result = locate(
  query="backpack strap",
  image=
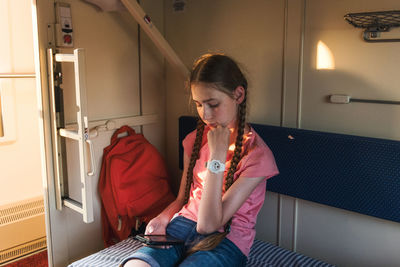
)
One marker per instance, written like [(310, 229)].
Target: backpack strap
[(123, 129)]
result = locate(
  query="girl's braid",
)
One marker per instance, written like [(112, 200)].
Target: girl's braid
[(238, 145), (193, 158), (237, 152)]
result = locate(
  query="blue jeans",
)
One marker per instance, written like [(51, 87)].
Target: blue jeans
[(225, 254)]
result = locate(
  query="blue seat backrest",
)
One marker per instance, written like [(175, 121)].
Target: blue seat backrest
[(355, 173)]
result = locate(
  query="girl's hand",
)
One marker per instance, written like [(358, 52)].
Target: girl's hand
[(218, 142), (157, 226)]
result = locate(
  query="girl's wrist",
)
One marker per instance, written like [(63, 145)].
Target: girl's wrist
[(165, 217), (171, 210), (221, 156)]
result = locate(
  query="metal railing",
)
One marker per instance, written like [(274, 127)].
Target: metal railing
[(17, 75)]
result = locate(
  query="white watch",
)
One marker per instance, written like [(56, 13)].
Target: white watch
[(215, 166)]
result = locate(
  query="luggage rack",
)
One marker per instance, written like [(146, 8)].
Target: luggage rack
[(374, 23)]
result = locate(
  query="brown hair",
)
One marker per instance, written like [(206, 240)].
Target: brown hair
[(222, 72)]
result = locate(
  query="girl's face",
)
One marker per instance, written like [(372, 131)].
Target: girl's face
[(215, 107)]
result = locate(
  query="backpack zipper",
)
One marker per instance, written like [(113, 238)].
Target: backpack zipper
[(137, 224), (119, 223)]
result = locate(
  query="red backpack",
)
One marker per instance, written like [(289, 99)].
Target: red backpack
[(133, 185)]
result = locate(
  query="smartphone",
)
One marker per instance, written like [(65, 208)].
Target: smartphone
[(158, 240)]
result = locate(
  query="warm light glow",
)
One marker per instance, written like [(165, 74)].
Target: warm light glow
[(202, 175), (197, 193), (325, 59), (232, 147)]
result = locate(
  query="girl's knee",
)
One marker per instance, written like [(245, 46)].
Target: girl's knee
[(136, 263)]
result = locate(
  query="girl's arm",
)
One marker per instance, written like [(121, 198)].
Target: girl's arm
[(159, 223), (215, 210)]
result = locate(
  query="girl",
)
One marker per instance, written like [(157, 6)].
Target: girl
[(226, 165)]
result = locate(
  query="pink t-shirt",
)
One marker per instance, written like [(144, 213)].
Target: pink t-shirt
[(257, 161)]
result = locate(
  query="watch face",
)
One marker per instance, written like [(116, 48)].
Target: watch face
[(215, 165)]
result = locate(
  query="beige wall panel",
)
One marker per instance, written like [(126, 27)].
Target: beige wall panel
[(267, 221), (6, 43), (292, 62), (177, 104), (153, 82), (16, 46), (20, 174), (250, 32), (112, 72), (345, 238), (362, 70)]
